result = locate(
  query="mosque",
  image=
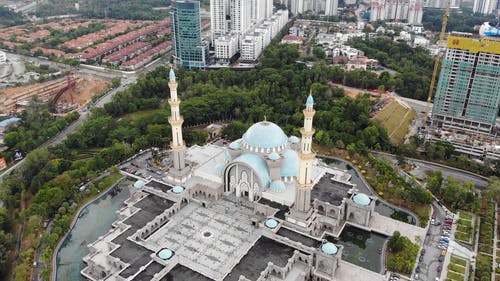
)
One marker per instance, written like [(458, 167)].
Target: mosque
[(256, 209)]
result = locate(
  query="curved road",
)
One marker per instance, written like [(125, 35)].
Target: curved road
[(422, 167)]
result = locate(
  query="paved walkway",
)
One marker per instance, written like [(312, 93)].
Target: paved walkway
[(385, 225)]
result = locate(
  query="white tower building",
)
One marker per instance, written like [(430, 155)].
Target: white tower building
[(240, 11), (484, 6), (180, 170), (331, 7), (306, 157), (219, 9)]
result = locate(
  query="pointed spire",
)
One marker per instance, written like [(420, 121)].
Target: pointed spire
[(310, 100), (171, 74)]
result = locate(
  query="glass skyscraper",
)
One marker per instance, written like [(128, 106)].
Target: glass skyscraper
[(468, 91), (189, 48)]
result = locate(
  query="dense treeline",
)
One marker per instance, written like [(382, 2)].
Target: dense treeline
[(10, 18), (453, 194), (413, 64), (463, 21), (278, 93), (118, 9)]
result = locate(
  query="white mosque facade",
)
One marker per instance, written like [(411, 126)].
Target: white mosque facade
[(217, 204)]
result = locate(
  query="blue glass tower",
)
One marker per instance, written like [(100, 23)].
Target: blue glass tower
[(189, 48)]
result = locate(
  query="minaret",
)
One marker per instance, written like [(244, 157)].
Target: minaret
[(306, 157), (176, 120)]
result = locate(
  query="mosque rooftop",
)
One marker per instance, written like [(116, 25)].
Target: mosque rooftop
[(265, 134)]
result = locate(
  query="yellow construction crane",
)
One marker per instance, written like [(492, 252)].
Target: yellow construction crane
[(437, 61)]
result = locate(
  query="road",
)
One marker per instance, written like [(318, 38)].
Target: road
[(84, 115), (423, 167), (430, 260)]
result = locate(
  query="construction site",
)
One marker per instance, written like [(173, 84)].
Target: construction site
[(66, 94)]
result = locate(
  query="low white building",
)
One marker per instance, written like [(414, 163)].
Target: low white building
[(3, 57), (226, 47), (420, 41), (251, 47), (260, 36)]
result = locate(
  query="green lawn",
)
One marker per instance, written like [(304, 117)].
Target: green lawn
[(464, 229), (462, 236), (141, 114), (455, 276), (108, 181), (465, 215), (395, 120), (456, 268), (459, 261)]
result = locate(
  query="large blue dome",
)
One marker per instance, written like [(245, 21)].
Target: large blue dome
[(265, 135), (290, 165)]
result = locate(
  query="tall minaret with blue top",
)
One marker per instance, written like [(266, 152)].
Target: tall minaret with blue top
[(177, 145), (306, 158)]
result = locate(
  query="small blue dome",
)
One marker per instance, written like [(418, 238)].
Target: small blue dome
[(219, 169), (278, 186), (294, 139), (361, 199), (271, 223), (290, 165), (265, 135), (177, 189), (258, 164), (329, 248), (273, 156), (171, 74), (234, 145), (165, 254), (138, 184), (310, 100)]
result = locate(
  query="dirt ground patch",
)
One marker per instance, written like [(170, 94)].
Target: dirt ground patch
[(87, 86)]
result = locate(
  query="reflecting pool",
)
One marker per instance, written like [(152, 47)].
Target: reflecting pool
[(362, 248), (94, 221)]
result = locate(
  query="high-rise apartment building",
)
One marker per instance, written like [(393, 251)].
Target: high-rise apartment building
[(468, 92), (486, 6), (189, 48), (240, 16), (397, 10), (219, 12), (327, 7)]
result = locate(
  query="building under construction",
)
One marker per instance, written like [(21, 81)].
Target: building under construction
[(467, 97)]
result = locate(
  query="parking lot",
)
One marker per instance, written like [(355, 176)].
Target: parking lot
[(430, 263), (142, 167)]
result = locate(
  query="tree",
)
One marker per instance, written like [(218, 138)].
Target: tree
[(396, 242), (115, 82), (234, 130), (196, 137), (493, 190)]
